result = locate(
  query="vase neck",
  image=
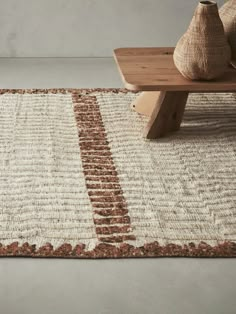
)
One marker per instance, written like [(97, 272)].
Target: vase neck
[(207, 7), (205, 17)]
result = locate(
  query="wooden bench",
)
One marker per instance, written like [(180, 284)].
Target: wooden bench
[(164, 90)]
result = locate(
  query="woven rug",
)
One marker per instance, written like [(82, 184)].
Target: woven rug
[(77, 178)]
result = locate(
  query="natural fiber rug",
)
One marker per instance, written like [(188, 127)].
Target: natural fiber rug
[(77, 178)]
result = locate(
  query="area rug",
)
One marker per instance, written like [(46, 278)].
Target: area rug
[(79, 180)]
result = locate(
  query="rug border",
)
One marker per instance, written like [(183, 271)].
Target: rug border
[(86, 91), (124, 250)]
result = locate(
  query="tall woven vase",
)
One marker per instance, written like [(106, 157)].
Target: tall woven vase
[(228, 17), (203, 52)]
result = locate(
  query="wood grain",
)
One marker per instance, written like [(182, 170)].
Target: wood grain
[(153, 69), (167, 114)]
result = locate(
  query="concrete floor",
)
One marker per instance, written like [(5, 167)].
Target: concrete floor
[(165, 286)]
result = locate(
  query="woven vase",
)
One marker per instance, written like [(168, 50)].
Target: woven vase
[(228, 17), (203, 52)]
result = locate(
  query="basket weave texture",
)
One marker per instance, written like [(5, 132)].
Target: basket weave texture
[(203, 52), (228, 17)]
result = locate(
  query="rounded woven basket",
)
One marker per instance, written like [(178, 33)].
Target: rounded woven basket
[(228, 17), (203, 52)]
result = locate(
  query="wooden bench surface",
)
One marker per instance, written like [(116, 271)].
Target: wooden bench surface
[(152, 69)]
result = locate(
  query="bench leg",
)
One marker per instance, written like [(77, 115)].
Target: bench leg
[(166, 110), (145, 103)]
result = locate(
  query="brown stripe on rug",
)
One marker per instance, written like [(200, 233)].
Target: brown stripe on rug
[(101, 176)]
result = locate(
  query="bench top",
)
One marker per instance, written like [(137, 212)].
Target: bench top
[(151, 69)]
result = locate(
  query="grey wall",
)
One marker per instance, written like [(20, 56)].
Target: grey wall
[(77, 28)]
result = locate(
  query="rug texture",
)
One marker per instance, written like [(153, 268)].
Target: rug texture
[(78, 179)]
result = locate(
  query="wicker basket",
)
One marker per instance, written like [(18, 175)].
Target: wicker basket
[(203, 52), (228, 17)]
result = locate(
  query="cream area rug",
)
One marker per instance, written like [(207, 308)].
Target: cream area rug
[(78, 179)]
